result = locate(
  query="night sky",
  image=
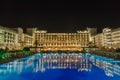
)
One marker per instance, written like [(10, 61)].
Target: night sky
[(60, 16)]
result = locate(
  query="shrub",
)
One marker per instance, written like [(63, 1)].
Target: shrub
[(118, 50), (26, 49), (2, 54), (6, 49)]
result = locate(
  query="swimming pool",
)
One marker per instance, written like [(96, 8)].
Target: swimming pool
[(62, 66)]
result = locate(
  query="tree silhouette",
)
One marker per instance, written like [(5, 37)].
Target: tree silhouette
[(36, 45)]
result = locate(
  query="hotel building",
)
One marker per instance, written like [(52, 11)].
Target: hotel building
[(25, 40), (14, 38), (17, 39), (116, 37), (93, 31), (98, 40), (8, 38), (61, 41), (28, 40), (107, 38)]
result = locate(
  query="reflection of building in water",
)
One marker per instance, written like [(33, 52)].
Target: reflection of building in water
[(63, 61), (108, 65), (42, 62), (16, 66), (49, 61), (10, 67)]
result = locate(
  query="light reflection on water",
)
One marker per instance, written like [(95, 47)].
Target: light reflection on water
[(43, 62)]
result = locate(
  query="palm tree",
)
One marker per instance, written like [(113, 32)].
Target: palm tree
[(36, 45), (90, 44)]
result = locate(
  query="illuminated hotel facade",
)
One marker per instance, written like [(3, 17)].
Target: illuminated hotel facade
[(109, 38), (98, 40), (61, 41), (8, 38), (116, 38), (14, 38), (17, 39)]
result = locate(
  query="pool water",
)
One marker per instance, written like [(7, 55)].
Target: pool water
[(62, 66)]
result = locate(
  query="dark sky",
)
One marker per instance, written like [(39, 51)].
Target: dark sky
[(60, 16)]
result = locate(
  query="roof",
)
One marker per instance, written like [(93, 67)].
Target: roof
[(6, 28)]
